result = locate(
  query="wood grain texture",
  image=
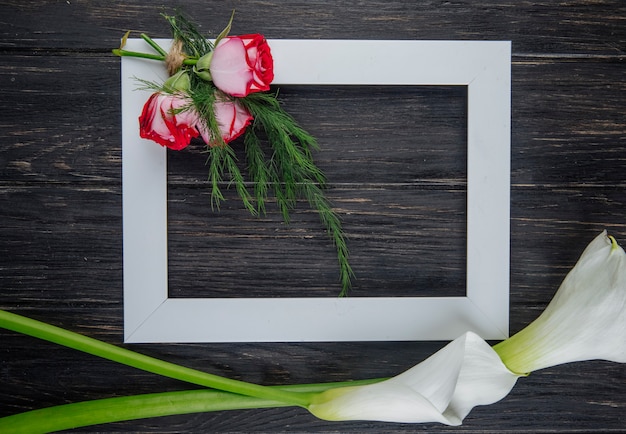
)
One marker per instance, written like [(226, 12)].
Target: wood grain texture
[(395, 160)]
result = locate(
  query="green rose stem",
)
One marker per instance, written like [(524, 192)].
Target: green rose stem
[(98, 348), (160, 57), (121, 52), (153, 44)]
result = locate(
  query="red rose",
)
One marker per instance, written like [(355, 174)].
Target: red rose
[(168, 120), (232, 119), (241, 65)]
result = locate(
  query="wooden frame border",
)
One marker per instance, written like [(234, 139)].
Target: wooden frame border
[(482, 66)]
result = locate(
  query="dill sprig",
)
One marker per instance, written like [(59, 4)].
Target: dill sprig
[(222, 161), (288, 171), (195, 44)]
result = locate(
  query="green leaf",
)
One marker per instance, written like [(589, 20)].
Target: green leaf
[(124, 40), (226, 30)]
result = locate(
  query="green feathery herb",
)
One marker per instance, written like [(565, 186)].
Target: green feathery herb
[(258, 171), (288, 171), (291, 170), (194, 43)]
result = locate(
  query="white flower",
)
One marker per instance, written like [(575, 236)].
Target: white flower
[(443, 388), (585, 320)]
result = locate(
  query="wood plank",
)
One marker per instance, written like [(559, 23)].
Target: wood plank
[(568, 126), (582, 396), (61, 243), (568, 122), (403, 242), (395, 160), (583, 28), (61, 120)]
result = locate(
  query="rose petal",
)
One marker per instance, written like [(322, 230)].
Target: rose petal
[(241, 65), (229, 67)]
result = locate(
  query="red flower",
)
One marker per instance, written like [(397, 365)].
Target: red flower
[(241, 65), (232, 119), (168, 120)]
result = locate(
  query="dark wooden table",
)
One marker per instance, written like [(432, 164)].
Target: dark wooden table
[(395, 159)]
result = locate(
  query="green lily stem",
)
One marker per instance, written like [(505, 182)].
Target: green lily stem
[(98, 348), (81, 414)]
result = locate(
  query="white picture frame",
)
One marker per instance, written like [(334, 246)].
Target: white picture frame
[(482, 66)]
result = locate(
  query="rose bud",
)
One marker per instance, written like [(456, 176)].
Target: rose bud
[(169, 120), (232, 119), (179, 82)]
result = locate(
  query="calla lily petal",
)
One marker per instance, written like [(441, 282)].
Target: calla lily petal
[(443, 388), (585, 320)]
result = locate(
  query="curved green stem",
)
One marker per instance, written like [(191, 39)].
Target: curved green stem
[(120, 52), (81, 414), (109, 410), (98, 348), (153, 44)]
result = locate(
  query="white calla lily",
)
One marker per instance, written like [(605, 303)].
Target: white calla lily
[(585, 320), (443, 388)]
